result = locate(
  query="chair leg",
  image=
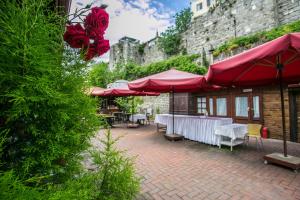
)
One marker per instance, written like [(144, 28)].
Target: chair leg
[(262, 144), (248, 140), (256, 143)]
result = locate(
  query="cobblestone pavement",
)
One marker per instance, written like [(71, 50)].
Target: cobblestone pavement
[(192, 170)]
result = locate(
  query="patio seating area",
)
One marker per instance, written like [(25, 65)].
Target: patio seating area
[(192, 170)]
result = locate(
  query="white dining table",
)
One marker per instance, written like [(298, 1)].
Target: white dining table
[(235, 132), (197, 128), (137, 117)]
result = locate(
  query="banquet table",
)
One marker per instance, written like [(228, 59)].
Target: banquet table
[(197, 128), (137, 117), (235, 132)]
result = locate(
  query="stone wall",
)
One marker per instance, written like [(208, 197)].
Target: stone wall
[(225, 22), (160, 102), (134, 51), (152, 52), (288, 10), (123, 52)]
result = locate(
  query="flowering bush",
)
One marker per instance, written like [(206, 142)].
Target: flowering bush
[(89, 39)]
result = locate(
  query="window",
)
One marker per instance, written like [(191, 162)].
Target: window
[(199, 6), (208, 2), (211, 106), (241, 106), (256, 111), (201, 105), (221, 106)]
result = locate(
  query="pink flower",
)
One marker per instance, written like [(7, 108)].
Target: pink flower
[(76, 37), (96, 22)]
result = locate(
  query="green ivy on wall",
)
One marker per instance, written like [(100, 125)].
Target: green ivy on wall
[(132, 71), (264, 36)]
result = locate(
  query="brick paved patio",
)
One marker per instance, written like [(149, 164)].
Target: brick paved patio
[(191, 170)]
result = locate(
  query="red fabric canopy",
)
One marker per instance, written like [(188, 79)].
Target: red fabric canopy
[(122, 92), (171, 80), (257, 66), (95, 90)]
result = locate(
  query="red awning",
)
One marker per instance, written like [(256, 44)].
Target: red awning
[(122, 92), (257, 66), (95, 90), (171, 80)]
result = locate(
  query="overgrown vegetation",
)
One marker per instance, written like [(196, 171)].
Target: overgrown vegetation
[(141, 48), (132, 71), (46, 120), (260, 37), (98, 75), (129, 105), (170, 40), (114, 179)]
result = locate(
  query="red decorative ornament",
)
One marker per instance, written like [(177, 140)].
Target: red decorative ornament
[(91, 38), (76, 37)]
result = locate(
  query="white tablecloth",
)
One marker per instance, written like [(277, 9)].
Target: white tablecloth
[(232, 131), (197, 128), (137, 117)]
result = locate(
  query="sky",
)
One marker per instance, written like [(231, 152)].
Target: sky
[(140, 19)]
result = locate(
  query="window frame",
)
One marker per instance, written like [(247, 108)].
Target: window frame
[(227, 107), (234, 106), (199, 5), (202, 97), (208, 3)]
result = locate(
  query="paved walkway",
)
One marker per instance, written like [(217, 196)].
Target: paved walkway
[(191, 170)]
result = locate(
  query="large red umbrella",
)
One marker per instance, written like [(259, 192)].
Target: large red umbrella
[(122, 91), (171, 81), (277, 61)]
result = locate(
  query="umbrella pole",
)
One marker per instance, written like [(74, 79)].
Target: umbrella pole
[(132, 107), (282, 111), (173, 106)]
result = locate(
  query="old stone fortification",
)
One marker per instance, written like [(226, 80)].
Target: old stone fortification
[(237, 18), (233, 18)]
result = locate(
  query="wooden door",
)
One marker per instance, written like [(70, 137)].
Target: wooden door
[(247, 108), (294, 98)]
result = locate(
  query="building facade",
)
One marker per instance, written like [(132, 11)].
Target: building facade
[(200, 7), (259, 105)]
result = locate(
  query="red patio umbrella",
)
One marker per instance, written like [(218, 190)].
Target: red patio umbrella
[(95, 90), (171, 81), (277, 61), (122, 91)]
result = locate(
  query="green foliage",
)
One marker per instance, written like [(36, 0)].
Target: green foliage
[(170, 40), (11, 188), (183, 20), (141, 48), (99, 75), (265, 36), (132, 71), (119, 181), (114, 179), (181, 62), (123, 104), (46, 117), (129, 105)]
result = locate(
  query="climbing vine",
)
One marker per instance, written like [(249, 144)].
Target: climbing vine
[(260, 37)]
